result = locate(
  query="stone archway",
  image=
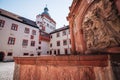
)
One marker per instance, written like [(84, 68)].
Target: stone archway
[(2, 56)]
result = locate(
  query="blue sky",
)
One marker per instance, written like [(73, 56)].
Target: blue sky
[(58, 9)]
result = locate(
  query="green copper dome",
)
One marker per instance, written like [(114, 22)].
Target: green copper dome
[(46, 11)]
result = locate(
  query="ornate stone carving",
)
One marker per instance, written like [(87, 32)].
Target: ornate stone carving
[(101, 25)]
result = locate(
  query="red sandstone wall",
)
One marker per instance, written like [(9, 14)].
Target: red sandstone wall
[(118, 5), (94, 67)]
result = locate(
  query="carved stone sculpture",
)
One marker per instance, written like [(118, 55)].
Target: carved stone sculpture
[(101, 25)]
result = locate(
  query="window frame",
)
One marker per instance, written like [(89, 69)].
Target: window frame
[(32, 43), (64, 32), (14, 27), (27, 30), (23, 43), (25, 54), (65, 51), (9, 54), (64, 43), (33, 32), (11, 40), (50, 44), (58, 51), (58, 34), (58, 43)]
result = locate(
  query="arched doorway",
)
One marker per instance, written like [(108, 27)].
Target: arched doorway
[(1, 56)]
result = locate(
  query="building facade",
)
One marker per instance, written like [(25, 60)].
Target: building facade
[(23, 37), (60, 42), (18, 36)]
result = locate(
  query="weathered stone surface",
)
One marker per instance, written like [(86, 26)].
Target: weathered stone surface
[(94, 25), (84, 67), (16, 72), (101, 25)]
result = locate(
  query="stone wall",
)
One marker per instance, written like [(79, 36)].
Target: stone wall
[(87, 67)]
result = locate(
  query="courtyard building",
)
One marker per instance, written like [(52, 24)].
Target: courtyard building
[(60, 42), (21, 37), (18, 36)]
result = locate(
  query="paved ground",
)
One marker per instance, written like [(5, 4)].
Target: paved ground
[(6, 70)]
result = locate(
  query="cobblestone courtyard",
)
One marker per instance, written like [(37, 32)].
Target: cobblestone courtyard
[(6, 70)]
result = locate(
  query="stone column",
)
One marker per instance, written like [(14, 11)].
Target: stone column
[(72, 38)]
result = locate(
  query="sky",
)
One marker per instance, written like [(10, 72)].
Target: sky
[(58, 9)]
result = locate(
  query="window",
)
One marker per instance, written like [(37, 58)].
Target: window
[(55, 52), (11, 41), (50, 52), (31, 54), (25, 54), (47, 52), (2, 22), (47, 25), (50, 36), (58, 51), (9, 54), (58, 43), (64, 32), (64, 42), (51, 45), (66, 51), (43, 28), (38, 53), (25, 42), (39, 47), (58, 34), (27, 30), (39, 42), (32, 43), (14, 27), (32, 37), (33, 32)]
